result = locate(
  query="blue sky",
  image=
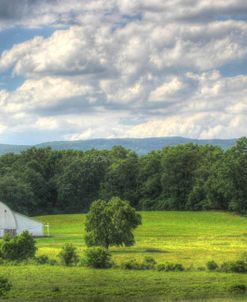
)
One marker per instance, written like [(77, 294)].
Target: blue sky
[(73, 69)]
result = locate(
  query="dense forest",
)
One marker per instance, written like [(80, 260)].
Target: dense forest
[(183, 177)]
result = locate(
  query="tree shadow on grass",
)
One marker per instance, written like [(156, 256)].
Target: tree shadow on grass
[(136, 251)]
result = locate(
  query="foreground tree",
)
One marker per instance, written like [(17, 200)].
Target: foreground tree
[(111, 223)]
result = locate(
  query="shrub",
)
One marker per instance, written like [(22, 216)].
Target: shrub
[(238, 266), (225, 267), (131, 264), (177, 267), (5, 286), (52, 261), (149, 262), (238, 289), (68, 255), (170, 267), (161, 267), (212, 266), (98, 257), (20, 247), (43, 259)]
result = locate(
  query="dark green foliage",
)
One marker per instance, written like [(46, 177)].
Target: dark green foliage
[(98, 257), (111, 223), (148, 263), (17, 193), (121, 176), (238, 266), (178, 168), (80, 181), (170, 267), (181, 177), (132, 264), (20, 247), (43, 259), (238, 289), (68, 255), (212, 266), (5, 286)]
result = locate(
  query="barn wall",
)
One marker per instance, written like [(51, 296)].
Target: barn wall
[(26, 224), (7, 219)]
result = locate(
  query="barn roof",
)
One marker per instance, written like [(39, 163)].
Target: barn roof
[(17, 213)]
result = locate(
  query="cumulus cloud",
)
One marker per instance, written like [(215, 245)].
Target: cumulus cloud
[(156, 65)]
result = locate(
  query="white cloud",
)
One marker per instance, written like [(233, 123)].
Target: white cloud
[(166, 90), (157, 62), (197, 125)]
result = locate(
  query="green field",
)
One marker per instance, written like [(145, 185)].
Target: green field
[(190, 238)]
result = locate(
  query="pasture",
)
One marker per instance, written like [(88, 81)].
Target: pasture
[(190, 238)]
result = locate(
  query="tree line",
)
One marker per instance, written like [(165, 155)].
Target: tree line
[(182, 177)]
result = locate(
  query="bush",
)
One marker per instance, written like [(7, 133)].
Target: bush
[(52, 261), (132, 264), (43, 259), (98, 257), (170, 267), (238, 266), (161, 267), (238, 289), (148, 263), (20, 247), (5, 286), (212, 266), (68, 255)]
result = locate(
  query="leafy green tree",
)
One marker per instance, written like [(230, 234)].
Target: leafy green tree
[(17, 194), (79, 183), (229, 182), (111, 223), (199, 197), (121, 176), (178, 166), (182, 177), (149, 180)]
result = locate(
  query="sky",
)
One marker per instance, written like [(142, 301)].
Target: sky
[(83, 69)]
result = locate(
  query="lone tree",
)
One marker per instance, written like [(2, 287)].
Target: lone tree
[(111, 223)]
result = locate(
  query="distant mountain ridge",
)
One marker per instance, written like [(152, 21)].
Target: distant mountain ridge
[(139, 145)]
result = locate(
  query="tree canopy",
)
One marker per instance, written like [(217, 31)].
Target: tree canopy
[(111, 223), (182, 177)]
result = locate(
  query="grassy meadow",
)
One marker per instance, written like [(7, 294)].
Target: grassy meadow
[(190, 238)]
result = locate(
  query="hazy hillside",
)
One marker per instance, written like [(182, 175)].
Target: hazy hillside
[(4, 148), (139, 145)]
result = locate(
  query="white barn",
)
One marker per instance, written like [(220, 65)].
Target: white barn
[(15, 223)]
